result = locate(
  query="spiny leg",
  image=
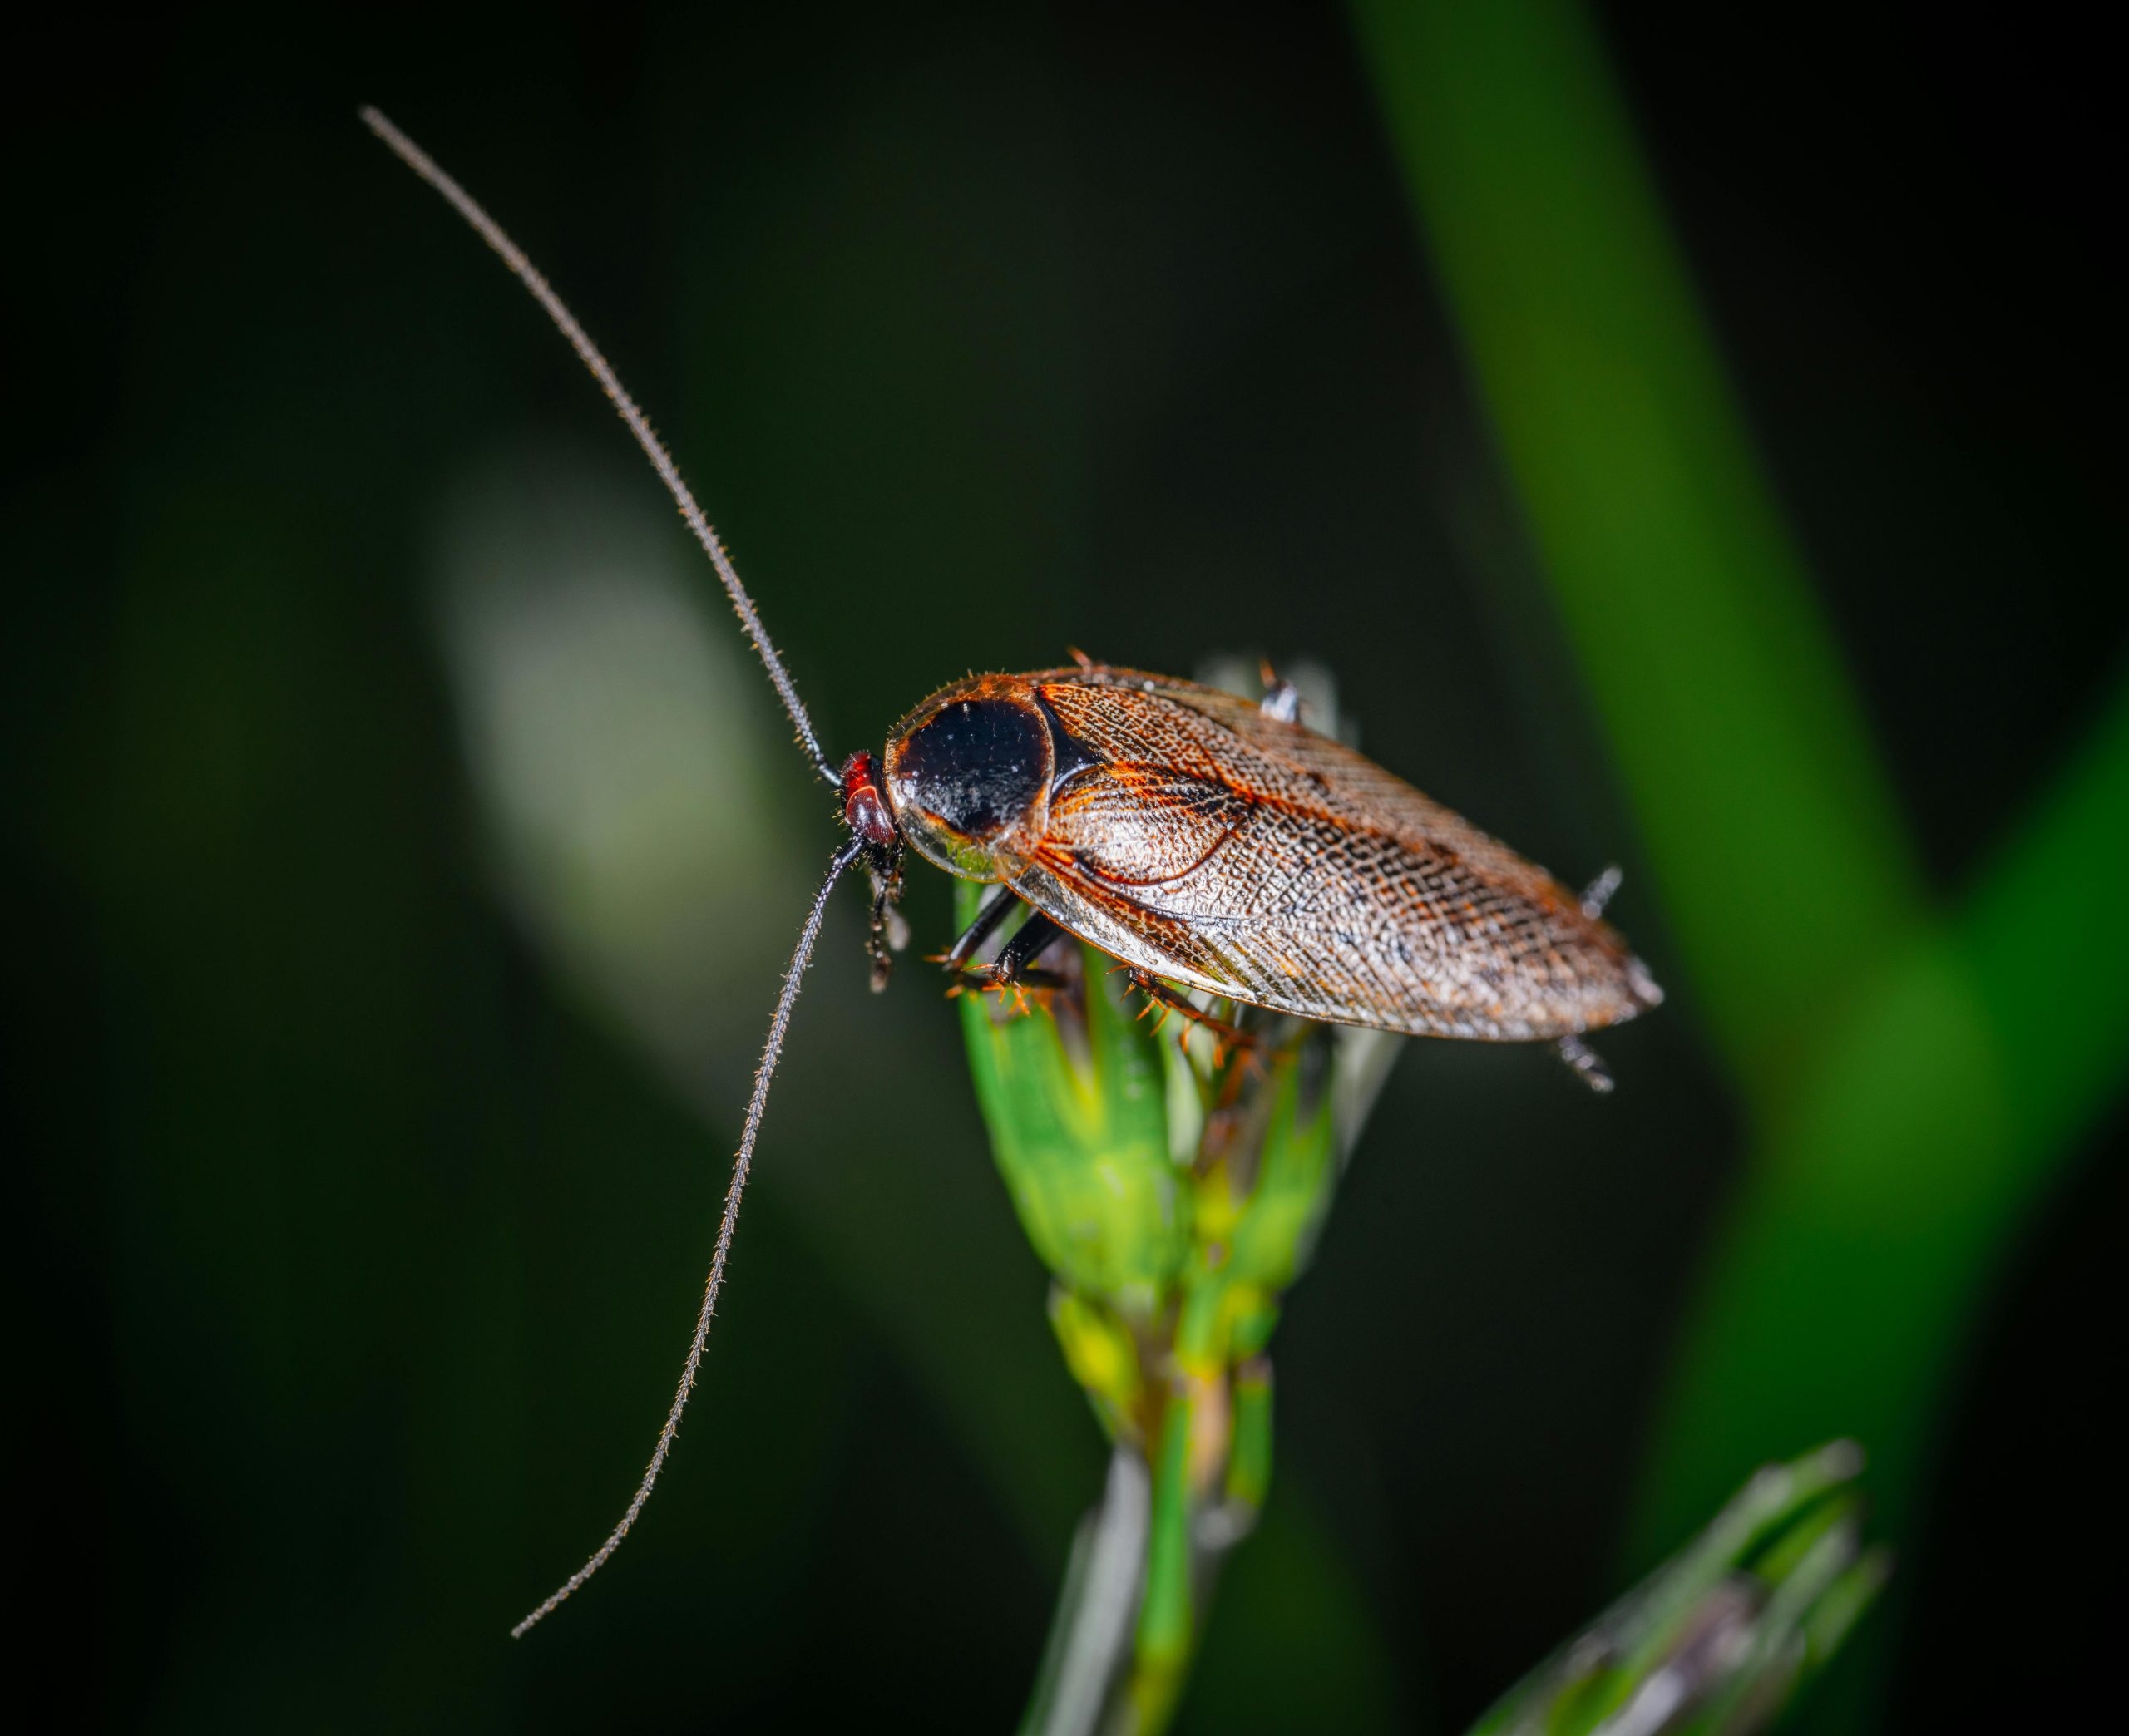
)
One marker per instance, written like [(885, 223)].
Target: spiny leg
[(1157, 993), (1587, 1064), (1013, 971), (1029, 941), (1013, 968), (1001, 906), (889, 933), (1599, 892)]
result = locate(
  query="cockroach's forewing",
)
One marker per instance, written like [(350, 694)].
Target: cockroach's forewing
[(1207, 842)]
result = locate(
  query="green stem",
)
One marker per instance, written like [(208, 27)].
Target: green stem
[(1166, 1622), (1090, 1637)]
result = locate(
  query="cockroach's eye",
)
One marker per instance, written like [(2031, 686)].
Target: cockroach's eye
[(977, 765)]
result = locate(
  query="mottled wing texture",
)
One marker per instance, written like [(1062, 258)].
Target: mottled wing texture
[(1215, 846)]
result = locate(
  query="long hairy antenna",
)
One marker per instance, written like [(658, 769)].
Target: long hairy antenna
[(801, 955), (491, 232)]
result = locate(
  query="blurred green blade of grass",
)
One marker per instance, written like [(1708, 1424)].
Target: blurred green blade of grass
[(1764, 813), (2046, 935), (1915, 1083), (1947, 1096)]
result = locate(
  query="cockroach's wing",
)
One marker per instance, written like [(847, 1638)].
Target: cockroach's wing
[(1211, 844)]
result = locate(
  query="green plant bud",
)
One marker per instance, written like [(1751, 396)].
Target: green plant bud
[(1076, 1105), (1174, 1181)]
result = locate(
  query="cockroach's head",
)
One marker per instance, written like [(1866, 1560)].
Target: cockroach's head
[(865, 809), (968, 776), (871, 823)]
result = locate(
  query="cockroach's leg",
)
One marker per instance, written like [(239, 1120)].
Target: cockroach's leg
[(1030, 940), (1588, 1066), (889, 929), (1001, 905), (1012, 971), (1158, 1008), (1281, 698), (1225, 1036), (1599, 892), (875, 940)]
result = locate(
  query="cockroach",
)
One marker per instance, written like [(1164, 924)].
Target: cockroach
[(1200, 839)]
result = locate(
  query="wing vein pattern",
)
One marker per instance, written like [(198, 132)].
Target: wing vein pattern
[(1214, 845)]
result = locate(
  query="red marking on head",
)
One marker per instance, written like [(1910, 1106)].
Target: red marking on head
[(865, 809)]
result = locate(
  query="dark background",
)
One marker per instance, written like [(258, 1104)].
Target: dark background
[(366, 1209)]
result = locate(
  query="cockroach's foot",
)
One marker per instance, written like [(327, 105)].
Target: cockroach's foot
[(1587, 1065), (1031, 991), (1281, 698)]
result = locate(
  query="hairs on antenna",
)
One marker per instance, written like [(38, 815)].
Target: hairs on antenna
[(529, 274), (639, 425), (801, 955)]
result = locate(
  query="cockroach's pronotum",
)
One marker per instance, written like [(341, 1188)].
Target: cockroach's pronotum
[(1200, 839)]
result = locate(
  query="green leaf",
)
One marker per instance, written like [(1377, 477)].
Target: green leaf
[(1721, 1638)]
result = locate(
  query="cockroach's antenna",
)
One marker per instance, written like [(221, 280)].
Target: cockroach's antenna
[(491, 232), (639, 425), (801, 955)]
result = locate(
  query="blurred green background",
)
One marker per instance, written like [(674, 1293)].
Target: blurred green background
[(408, 848)]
